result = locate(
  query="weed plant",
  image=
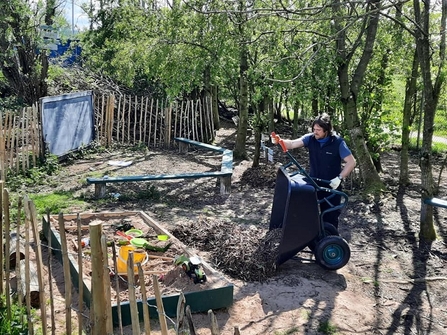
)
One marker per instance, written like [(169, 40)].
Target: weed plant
[(37, 175)]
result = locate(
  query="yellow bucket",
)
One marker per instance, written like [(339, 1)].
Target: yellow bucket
[(139, 256)]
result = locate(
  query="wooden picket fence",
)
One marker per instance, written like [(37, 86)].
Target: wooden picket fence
[(26, 280), (134, 120), (20, 140), (123, 120)]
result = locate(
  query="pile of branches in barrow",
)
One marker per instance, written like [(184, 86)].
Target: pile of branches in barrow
[(243, 252)]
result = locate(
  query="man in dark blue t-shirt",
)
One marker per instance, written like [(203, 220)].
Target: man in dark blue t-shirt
[(327, 151)]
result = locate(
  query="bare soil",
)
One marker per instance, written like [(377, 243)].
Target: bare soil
[(393, 284)]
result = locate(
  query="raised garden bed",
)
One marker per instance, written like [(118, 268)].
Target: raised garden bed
[(214, 293)]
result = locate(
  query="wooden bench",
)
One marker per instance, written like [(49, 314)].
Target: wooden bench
[(436, 202), (224, 175)]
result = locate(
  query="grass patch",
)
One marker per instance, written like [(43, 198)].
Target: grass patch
[(325, 327), (56, 202)]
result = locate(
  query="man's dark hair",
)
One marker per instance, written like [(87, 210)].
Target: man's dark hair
[(324, 121)]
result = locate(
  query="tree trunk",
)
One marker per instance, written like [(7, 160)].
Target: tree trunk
[(239, 149), (427, 231), (350, 88), (369, 174), (410, 98), (432, 92), (215, 106)]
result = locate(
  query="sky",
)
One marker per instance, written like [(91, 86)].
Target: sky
[(78, 21)]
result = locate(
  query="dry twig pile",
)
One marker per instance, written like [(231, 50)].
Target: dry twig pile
[(244, 252)]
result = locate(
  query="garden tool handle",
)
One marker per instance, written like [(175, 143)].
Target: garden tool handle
[(280, 141)]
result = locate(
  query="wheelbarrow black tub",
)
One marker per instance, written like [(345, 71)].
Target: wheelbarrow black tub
[(295, 210)]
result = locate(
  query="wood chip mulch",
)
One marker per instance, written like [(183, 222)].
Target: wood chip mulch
[(243, 252)]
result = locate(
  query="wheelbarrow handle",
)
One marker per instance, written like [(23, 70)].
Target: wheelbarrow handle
[(280, 141)]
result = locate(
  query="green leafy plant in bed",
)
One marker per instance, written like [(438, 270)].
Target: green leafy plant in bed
[(15, 323)]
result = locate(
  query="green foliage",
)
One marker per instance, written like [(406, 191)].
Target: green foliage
[(139, 147), (325, 327), (17, 324), (36, 175), (441, 121), (55, 202), (259, 121)]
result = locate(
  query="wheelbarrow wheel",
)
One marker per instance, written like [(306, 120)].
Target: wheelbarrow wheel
[(332, 252), (329, 230)]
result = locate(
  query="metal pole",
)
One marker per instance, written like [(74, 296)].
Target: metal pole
[(72, 17)]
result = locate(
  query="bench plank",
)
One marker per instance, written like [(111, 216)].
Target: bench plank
[(227, 161), (436, 202), (224, 175), (200, 144), (123, 179)]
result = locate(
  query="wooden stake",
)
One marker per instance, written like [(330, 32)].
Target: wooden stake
[(99, 317), (214, 327), (80, 275), (135, 121), (140, 135), (118, 120), (151, 113), (132, 296), (146, 318), (180, 313), (18, 255), (27, 271), (155, 123), (37, 242), (7, 252), (67, 275), (160, 307), (189, 319), (117, 284), (50, 280), (107, 289)]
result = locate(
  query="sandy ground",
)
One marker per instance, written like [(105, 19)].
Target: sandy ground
[(393, 283)]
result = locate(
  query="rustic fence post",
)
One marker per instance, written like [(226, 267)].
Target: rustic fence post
[(26, 270), (37, 242), (117, 284), (98, 298), (50, 283), (146, 318), (160, 307), (67, 276), (7, 247), (132, 298), (180, 313), (214, 327)]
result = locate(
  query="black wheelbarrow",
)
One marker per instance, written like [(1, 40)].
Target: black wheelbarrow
[(296, 211)]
